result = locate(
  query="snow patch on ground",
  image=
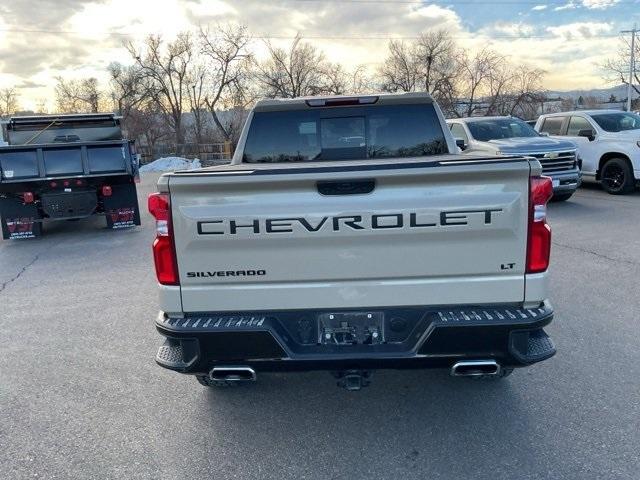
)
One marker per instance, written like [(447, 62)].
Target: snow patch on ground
[(170, 164)]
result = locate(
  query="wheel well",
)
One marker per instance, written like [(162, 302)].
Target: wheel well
[(608, 156)]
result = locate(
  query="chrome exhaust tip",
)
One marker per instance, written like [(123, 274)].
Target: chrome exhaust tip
[(475, 368), (233, 374)]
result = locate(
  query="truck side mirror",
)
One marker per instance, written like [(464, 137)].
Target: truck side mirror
[(460, 143), (587, 133)]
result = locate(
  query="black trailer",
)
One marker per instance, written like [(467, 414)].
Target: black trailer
[(66, 167)]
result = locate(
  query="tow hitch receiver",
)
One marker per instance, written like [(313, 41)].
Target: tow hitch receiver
[(353, 380)]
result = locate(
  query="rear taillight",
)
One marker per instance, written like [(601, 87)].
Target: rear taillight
[(164, 253), (27, 197), (107, 191), (539, 242)]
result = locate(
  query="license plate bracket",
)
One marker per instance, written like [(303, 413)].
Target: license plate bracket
[(351, 328)]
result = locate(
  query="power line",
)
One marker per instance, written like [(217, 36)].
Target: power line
[(381, 36), (459, 2)]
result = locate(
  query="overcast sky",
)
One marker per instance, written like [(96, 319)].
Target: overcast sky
[(40, 39)]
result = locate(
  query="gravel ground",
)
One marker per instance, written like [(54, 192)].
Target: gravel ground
[(81, 396)]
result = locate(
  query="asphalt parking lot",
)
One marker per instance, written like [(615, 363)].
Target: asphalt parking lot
[(81, 396)]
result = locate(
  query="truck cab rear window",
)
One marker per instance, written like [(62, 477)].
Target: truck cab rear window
[(344, 133)]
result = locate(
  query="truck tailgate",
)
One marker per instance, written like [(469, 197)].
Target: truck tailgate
[(314, 236)]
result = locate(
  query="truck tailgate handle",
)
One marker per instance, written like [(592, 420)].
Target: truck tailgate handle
[(346, 187)]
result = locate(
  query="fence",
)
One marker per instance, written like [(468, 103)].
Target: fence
[(208, 153)]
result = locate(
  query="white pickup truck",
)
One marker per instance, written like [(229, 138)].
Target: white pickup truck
[(345, 236), (608, 142)]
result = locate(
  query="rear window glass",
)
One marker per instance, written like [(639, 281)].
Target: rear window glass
[(19, 164), (62, 161), (552, 125), (344, 133), (106, 159)]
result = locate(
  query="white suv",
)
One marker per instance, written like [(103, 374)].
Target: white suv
[(608, 142)]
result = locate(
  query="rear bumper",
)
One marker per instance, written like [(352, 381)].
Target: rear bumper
[(413, 338)]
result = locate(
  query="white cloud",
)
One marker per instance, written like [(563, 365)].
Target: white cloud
[(538, 8), (507, 28), (580, 30), (599, 4), (567, 6)]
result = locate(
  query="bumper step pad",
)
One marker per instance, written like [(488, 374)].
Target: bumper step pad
[(531, 345), (177, 355)]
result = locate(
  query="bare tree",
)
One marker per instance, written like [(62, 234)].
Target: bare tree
[(74, 96), (436, 57), (298, 71), (147, 125), (8, 101), (166, 67), (526, 92), (475, 79), (361, 81), (400, 71), (196, 96), (41, 105), (431, 64), (617, 68), (128, 88), (226, 73)]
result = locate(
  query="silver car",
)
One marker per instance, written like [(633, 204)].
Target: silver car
[(512, 136)]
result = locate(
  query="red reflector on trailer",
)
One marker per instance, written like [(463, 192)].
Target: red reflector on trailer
[(106, 191), (27, 197), (53, 184), (79, 182)]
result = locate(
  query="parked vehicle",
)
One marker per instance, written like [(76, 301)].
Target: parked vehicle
[(608, 142), (512, 136), (347, 235), (66, 167)]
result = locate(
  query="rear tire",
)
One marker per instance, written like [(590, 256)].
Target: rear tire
[(206, 381), (561, 197), (616, 177)]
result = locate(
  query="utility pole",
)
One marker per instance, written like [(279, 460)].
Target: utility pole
[(632, 64)]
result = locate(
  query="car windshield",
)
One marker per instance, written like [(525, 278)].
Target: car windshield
[(495, 129), (617, 122)]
